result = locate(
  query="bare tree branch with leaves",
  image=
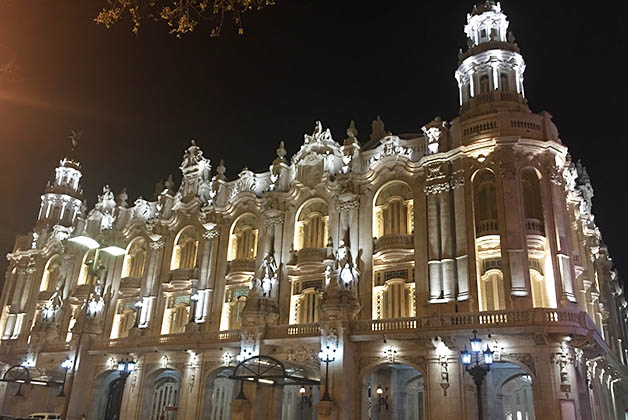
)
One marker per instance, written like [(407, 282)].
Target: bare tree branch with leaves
[(181, 15)]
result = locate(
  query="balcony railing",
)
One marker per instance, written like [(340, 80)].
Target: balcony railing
[(242, 266), (183, 274), (534, 227), (169, 339), (394, 241), (487, 227), (308, 255), (298, 330), (534, 317)]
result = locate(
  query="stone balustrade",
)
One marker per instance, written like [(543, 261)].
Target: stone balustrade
[(487, 227), (534, 227), (241, 266), (394, 241), (306, 255), (297, 330)]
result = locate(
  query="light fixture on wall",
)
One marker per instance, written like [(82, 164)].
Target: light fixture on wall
[(382, 400), (164, 361), (227, 358), (305, 399)]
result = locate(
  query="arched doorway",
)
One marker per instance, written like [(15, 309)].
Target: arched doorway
[(393, 392), (506, 393), (219, 391), (160, 400), (114, 399)]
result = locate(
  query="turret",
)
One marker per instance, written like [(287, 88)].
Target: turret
[(490, 72), (63, 197)]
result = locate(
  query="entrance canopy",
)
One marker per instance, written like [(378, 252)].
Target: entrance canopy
[(268, 370)]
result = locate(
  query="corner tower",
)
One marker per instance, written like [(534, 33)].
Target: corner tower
[(490, 71), (63, 197)]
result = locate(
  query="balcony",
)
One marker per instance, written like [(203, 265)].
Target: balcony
[(292, 331), (310, 259), (534, 227), (180, 277), (169, 341), (130, 284), (394, 241), (487, 227)]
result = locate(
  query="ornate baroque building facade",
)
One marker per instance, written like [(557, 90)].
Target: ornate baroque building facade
[(385, 253)]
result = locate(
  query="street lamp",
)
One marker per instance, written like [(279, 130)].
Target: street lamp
[(476, 368), (94, 268), (327, 355)]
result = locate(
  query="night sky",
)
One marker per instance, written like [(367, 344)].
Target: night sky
[(139, 100)]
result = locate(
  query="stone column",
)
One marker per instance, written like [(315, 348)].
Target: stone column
[(433, 246), (421, 251), (552, 192), (446, 246), (513, 237), (460, 218)]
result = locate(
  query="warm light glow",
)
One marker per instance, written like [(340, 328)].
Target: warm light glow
[(266, 381), (465, 355), (85, 241), (476, 343), (488, 356), (302, 390), (379, 391), (114, 250)]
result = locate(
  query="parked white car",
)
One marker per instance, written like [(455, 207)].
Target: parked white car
[(45, 416)]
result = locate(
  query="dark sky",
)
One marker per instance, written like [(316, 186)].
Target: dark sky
[(141, 99)]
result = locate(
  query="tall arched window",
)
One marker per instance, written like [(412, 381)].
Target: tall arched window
[(312, 227), (124, 319), (243, 240), (52, 274), (485, 203), (531, 190), (84, 275), (185, 249), (394, 210), (492, 291), (485, 85), (176, 314), (135, 259)]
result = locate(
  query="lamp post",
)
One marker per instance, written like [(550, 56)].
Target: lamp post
[(327, 355), (476, 368), (94, 269), (125, 367)]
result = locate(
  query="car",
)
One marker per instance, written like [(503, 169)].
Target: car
[(45, 416)]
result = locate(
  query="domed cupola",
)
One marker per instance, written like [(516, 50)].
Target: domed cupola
[(63, 197), (490, 71)]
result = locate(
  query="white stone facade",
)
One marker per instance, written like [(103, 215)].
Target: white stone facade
[(385, 253)]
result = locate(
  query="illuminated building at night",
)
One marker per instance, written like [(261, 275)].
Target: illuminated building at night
[(384, 254)]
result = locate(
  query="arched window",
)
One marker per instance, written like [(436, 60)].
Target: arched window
[(531, 190), (492, 291), (165, 394), (394, 210), (312, 227), (485, 85), (308, 306), (185, 249), (243, 240), (503, 82), (124, 319), (52, 274), (394, 294), (176, 314), (135, 259), (84, 275), (485, 203)]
